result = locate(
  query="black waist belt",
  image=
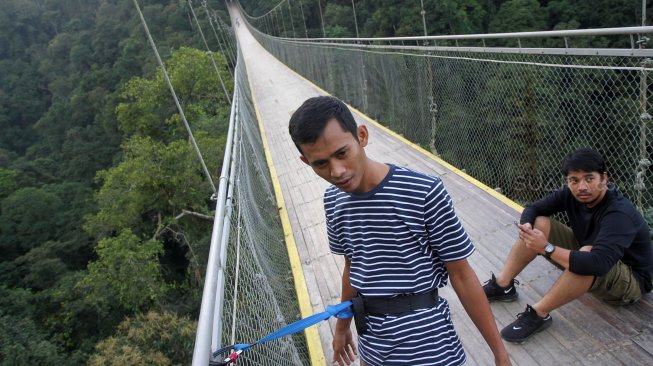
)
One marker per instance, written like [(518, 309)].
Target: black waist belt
[(390, 305)]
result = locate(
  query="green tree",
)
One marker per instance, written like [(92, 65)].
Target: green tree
[(519, 16), (148, 339), (21, 342), (339, 20), (153, 183), (7, 182), (148, 108), (127, 271), (28, 218)]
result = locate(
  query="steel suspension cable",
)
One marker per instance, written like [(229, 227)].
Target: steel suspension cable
[(283, 22), (215, 66), (319, 7), (174, 96), (224, 38), (291, 20), (301, 8), (215, 34)]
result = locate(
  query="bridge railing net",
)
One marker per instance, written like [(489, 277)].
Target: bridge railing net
[(259, 294), (507, 119)]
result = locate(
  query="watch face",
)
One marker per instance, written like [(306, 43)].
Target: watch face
[(549, 248)]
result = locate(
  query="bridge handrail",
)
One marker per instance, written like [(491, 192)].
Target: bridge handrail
[(210, 295), (538, 34)]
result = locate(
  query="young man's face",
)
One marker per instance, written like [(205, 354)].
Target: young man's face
[(587, 187), (337, 157)]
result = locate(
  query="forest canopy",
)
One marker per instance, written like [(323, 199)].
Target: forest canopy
[(389, 18), (95, 173)]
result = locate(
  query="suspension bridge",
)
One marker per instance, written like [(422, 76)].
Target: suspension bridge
[(502, 115)]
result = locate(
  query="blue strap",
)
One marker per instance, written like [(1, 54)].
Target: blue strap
[(340, 311)]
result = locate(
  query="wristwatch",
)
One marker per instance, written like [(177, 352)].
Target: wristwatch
[(548, 250)]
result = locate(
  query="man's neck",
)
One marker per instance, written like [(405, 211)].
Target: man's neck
[(375, 173)]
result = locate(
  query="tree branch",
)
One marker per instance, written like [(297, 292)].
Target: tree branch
[(192, 213)]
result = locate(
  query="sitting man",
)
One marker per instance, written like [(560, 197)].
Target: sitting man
[(606, 250)]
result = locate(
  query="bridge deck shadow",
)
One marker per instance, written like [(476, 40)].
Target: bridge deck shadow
[(586, 331)]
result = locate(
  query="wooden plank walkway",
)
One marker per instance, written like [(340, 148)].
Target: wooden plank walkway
[(584, 332)]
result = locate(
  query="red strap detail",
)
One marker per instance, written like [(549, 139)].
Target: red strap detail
[(233, 356)]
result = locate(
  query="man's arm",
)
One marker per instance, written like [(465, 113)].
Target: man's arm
[(536, 240), (545, 206), (614, 233), (471, 295), (344, 348)]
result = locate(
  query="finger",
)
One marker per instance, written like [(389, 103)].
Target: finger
[(343, 357), (350, 353), (336, 358), (538, 233)]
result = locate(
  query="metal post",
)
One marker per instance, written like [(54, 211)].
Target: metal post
[(275, 21), (353, 6), (319, 7), (643, 13), (423, 12), (292, 23), (644, 119), (301, 8), (283, 22)]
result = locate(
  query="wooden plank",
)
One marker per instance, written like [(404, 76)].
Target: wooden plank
[(629, 354), (645, 341)]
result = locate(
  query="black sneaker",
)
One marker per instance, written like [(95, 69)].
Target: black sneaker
[(527, 324), (495, 292)]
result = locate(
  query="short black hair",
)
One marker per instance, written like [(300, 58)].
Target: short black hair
[(310, 119), (584, 159)]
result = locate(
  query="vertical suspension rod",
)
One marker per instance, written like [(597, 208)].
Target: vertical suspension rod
[(174, 96), (215, 66)]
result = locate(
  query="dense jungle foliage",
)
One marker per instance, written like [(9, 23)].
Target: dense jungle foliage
[(96, 174), (100, 260)]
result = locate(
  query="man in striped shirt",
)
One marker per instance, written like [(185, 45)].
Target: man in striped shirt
[(401, 241)]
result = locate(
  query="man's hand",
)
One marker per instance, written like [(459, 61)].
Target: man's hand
[(344, 349), (533, 238), (471, 295)]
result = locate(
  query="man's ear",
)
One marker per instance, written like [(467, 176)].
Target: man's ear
[(363, 135), (303, 158)]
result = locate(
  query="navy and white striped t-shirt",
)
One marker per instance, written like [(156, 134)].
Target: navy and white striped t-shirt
[(398, 237)]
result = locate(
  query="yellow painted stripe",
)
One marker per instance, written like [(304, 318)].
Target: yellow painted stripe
[(457, 171), (316, 353)]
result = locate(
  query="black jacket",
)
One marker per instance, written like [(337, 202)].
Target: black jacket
[(614, 227)]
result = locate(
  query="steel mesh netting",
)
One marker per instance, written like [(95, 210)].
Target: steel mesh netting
[(259, 294), (507, 119)]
